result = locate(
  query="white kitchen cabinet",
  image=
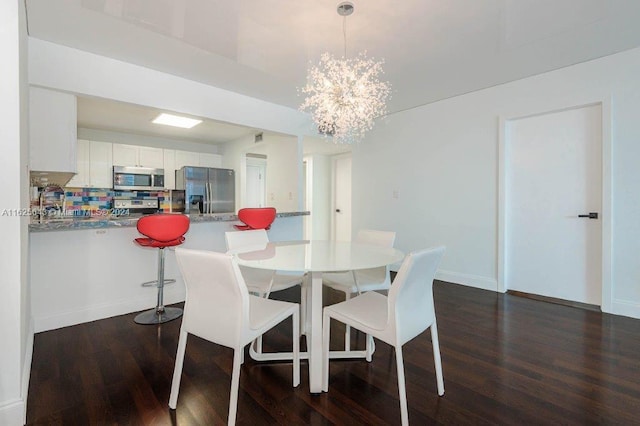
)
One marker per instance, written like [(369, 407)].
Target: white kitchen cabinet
[(197, 159), (133, 155), (52, 131), (100, 164), (82, 177), (95, 165), (186, 158), (124, 155), (169, 168), (210, 160), (150, 157)]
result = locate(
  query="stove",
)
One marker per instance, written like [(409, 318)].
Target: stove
[(139, 205)]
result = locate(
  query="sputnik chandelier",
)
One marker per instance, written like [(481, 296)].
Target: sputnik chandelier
[(344, 95)]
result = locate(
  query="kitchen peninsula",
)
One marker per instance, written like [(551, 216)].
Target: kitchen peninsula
[(87, 269)]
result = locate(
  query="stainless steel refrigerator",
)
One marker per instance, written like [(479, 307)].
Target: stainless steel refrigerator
[(207, 190)]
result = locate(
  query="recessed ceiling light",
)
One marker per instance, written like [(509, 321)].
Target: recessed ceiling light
[(176, 121)]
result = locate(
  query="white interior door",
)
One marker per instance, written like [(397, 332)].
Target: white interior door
[(256, 183), (553, 175), (342, 198)]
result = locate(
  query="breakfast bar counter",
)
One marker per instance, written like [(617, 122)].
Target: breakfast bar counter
[(98, 222), (88, 269)]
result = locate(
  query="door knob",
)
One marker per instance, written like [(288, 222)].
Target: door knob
[(337, 210), (591, 215)]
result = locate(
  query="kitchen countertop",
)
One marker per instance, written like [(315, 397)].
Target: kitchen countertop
[(71, 224)]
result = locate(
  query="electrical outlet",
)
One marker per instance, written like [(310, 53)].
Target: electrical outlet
[(395, 194)]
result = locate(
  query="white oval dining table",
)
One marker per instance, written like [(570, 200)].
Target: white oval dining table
[(315, 258)]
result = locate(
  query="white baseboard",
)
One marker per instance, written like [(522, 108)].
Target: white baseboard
[(625, 308), (12, 412), (26, 370), (102, 311), (468, 280)]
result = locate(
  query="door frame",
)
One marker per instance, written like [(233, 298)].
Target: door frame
[(607, 211)]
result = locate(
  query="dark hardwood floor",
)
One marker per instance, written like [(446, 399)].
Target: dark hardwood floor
[(506, 360)]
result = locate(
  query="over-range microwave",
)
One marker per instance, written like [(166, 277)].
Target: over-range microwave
[(138, 178)]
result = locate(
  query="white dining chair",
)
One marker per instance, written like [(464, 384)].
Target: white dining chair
[(356, 282), (406, 312), (259, 281), (263, 282), (218, 308)]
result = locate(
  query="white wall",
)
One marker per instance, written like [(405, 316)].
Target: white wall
[(283, 168), (14, 304), (442, 158), (66, 69)]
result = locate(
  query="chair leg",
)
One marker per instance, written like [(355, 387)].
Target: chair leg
[(177, 370), (347, 329), (295, 318), (436, 358), (303, 307), (235, 384), (369, 347), (326, 333), (258, 342), (402, 392)]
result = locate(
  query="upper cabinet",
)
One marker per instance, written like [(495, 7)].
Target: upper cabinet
[(81, 179), (133, 155), (170, 168), (197, 159), (210, 160), (95, 165), (101, 164), (186, 158), (52, 131)]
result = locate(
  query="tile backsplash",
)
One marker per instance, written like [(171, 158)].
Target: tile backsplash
[(88, 202), (96, 200)]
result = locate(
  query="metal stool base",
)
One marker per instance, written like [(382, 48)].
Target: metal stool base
[(155, 316)]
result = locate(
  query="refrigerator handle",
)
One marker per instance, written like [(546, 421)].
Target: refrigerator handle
[(210, 197), (207, 196)]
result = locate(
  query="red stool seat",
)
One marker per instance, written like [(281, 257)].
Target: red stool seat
[(161, 230), (256, 218)]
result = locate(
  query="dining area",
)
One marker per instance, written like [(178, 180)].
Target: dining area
[(233, 291)]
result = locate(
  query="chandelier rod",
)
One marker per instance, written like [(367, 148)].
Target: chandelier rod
[(344, 34)]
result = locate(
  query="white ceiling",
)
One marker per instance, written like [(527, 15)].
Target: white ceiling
[(433, 49)]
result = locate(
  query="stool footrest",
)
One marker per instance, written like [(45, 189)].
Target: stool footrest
[(154, 283), (158, 316)]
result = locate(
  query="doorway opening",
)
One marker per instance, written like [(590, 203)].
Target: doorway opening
[(256, 180)]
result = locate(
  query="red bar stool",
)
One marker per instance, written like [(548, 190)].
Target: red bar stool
[(161, 230), (256, 218)]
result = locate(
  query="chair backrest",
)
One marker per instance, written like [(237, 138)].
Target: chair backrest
[(411, 295), (376, 238), (217, 301), (251, 238), (258, 217), (163, 226)]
